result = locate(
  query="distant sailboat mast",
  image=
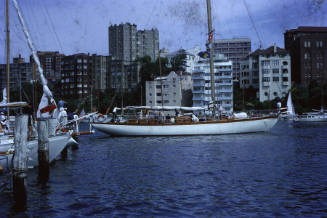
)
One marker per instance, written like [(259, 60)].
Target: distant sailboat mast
[(210, 39), (8, 55)]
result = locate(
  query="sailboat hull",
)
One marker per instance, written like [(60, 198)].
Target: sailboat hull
[(201, 128)]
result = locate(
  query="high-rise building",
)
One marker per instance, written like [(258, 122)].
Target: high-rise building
[(147, 43), (223, 83), (51, 63), (100, 72), (234, 49), (268, 71), (122, 42), (127, 43), (76, 76), (308, 49), (20, 72), (124, 77)]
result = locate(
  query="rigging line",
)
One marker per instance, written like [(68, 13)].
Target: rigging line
[(53, 27), (31, 21), (253, 24), (151, 14)]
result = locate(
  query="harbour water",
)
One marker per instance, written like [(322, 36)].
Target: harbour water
[(280, 173)]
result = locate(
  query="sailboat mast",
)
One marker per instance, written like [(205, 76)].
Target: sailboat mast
[(8, 54), (210, 39), (162, 103)]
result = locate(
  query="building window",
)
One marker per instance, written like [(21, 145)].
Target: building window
[(275, 93), (319, 44), (150, 102), (285, 79), (275, 79), (159, 102), (275, 70), (150, 94), (265, 79), (319, 65), (158, 94), (307, 44), (266, 93), (166, 101), (275, 62), (306, 56), (265, 71), (265, 63)]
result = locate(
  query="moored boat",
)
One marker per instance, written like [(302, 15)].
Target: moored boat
[(184, 125)]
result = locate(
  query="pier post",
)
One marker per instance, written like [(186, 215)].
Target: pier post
[(43, 150), (20, 161)]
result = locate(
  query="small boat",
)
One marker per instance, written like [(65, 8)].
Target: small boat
[(316, 116), (311, 117), (184, 125)]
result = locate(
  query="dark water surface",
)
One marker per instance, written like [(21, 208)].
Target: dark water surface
[(281, 173)]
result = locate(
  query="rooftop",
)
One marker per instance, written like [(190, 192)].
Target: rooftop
[(308, 29), (269, 51)]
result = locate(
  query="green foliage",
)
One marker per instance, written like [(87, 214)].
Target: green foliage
[(178, 63)]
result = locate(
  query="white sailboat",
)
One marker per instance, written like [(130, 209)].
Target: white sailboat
[(290, 113), (192, 126), (185, 125), (316, 116)]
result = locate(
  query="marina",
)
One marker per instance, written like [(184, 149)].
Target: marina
[(280, 173), (220, 129)]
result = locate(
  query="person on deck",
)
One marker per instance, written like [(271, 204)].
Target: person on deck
[(4, 122), (114, 113)]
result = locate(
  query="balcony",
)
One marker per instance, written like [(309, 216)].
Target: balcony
[(285, 83), (198, 84), (198, 98), (198, 91), (265, 83), (197, 77), (221, 98)]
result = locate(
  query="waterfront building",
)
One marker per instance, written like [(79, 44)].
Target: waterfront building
[(223, 83), (175, 89), (234, 49), (191, 58), (100, 72), (124, 77), (308, 49), (20, 72), (51, 63), (76, 76), (126, 43), (269, 71)]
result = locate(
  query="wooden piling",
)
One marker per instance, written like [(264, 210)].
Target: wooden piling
[(43, 150), (20, 161)]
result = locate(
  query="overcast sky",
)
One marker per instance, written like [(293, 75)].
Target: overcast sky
[(74, 26)]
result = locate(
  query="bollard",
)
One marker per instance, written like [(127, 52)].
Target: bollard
[(20, 161), (43, 150)]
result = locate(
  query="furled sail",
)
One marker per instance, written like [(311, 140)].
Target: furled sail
[(4, 97), (290, 107)]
